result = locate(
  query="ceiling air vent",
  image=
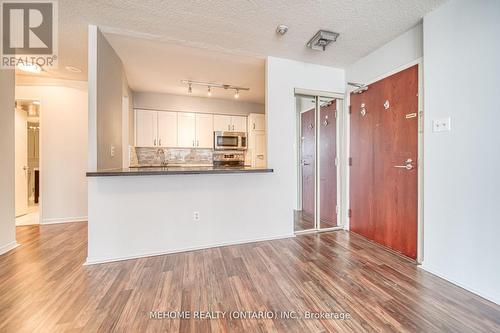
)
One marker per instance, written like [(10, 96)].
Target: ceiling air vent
[(322, 39)]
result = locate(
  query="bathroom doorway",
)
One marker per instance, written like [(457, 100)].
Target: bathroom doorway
[(27, 161)]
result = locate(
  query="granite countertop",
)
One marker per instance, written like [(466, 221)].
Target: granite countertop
[(175, 170)]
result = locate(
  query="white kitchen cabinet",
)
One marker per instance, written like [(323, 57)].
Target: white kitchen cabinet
[(204, 130), (259, 156), (167, 129), (186, 129), (230, 123), (256, 121), (222, 123), (239, 123), (146, 128)]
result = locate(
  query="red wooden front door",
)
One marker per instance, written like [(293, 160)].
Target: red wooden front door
[(384, 170)]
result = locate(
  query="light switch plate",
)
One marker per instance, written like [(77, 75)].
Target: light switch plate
[(441, 125)]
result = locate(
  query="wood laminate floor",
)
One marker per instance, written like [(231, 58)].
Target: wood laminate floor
[(44, 287)]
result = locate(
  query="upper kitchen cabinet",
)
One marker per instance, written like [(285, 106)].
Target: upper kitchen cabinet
[(222, 123), (195, 130), (204, 130), (256, 122), (167, 129), (230, 123), (186, 129), (155, 128), (239, 123), (146, 128)]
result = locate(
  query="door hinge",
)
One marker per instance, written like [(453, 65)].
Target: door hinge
[(337, 210), (335, 114), (350, 161), (336, 161), (350, 109), (349, 212)]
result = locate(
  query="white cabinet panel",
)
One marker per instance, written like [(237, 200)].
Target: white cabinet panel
[(167, 129), (204, 130), (222, 123), (259, 151), (239, 123), (186, 129), (257, 122), (146, 127)]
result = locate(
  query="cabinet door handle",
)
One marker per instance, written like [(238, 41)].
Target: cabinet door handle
[(233, 127), (228, 127), (198, 143), (253, 125), (159, 142), (193, 143), (154, 142)]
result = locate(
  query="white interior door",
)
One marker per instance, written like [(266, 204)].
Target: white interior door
[(21, 162), (204, 130), (167, 129), (186, 129), (239, 124), (146, 128)]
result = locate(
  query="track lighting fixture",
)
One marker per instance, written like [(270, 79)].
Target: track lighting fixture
[(211, 85)]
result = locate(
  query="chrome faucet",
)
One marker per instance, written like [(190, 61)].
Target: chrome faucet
[(160, 153)]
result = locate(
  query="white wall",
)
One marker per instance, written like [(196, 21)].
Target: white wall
[(7, 186), (398, 52), (462, 81), (134, 216), (63, 147), (157, 101)]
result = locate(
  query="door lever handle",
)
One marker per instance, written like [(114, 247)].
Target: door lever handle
[(407, 167)]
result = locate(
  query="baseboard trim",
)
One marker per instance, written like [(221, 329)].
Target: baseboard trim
[(90, 261), (461, 285), (65, 220), (8, 247)]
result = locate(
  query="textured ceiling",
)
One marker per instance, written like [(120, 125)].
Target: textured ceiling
[(159, 67), (245, 27)]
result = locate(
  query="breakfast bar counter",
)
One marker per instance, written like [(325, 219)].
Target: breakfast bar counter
[(175, 170)]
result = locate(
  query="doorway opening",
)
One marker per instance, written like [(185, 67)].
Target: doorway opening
[(27, 161), (317, 167)]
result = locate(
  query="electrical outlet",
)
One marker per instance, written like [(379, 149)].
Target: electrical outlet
[(441, 125), (196, 216), (112, 151)]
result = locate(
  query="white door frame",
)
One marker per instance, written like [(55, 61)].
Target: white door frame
[(420, 184)]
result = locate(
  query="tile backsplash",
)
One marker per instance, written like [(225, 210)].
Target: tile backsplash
[(151, 156)]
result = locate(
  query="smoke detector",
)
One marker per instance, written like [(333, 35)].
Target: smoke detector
[(281, 29), (321, 39)]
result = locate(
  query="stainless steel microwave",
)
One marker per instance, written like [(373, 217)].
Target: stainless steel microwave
[(230, 140)]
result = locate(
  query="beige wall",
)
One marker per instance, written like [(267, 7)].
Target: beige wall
[(7, 186), (63, 146), (109, 105), (158, 101)]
